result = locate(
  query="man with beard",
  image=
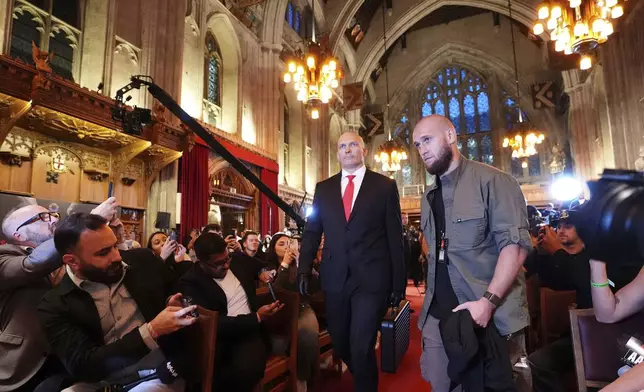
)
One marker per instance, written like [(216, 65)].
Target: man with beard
[(107, 320), (475, 223), (29, 267)]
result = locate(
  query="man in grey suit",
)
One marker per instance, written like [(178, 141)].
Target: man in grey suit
[(28, 268)]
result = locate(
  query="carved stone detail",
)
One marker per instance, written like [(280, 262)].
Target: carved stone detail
[(122, 157), (134, 170), (122, 46)]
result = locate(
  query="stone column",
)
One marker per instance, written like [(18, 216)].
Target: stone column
[(6, 17), (95, 42)]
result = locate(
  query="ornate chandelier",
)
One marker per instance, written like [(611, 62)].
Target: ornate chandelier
[(525, 140), (578, 26), (314, 75), (390, 153), (524, 143), (389, 156)]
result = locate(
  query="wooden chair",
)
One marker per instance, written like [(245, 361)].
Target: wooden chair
[(555, 306), (598, 347), (283, 323), (202, 338)]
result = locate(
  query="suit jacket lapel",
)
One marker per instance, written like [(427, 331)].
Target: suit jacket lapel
[(361, 198)]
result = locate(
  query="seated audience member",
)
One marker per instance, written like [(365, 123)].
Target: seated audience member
[(107, 320), (219, 283), (562, 263), (611, 308), (250, 245), (284, 252), (173, 254), (29, 267)]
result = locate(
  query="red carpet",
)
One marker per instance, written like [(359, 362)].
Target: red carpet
[(407, 378)]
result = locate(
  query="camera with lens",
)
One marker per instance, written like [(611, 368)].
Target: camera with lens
[(611, 223)]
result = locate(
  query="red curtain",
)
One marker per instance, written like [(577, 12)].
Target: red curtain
[(269, 214), (194, 190), (244, 154)]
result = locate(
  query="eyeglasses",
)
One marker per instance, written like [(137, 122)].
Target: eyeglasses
[(217, 263), (43, 216)]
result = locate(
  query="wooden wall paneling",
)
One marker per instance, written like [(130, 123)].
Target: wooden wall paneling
[(16, 178), (93, 189), (61, 186)]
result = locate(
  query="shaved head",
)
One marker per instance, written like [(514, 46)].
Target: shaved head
[(32, 234), (435, 138), (351, 151)]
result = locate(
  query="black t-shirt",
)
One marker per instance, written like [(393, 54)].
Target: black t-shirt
[(444, 299)]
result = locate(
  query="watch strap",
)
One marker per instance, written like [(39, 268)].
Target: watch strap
[(495, 299)]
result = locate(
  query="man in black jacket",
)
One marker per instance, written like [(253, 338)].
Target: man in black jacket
[(225, 283), (107, 320)]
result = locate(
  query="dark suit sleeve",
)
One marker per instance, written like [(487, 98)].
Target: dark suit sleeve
[(393, 225), (313, 235), (83, 359), (229, 327)]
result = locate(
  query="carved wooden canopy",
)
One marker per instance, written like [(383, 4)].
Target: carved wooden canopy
[(229, 189)]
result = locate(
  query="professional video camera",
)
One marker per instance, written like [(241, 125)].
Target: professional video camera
[(611, 223)]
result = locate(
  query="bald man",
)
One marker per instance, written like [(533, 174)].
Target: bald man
[(475, 224), (362, 269), (27, 264)]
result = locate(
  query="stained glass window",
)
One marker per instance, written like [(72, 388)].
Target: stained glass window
[(534, 166), (403, 119), (297, 22), (472, 149), (461, 95), (289, 14), (455, 113), (511, 111), (407, 174), (470, 116), (486, 150), (213, 85)]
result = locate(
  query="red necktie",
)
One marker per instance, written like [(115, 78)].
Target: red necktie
[(347, 198)]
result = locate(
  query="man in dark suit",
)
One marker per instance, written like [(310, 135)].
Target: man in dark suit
[(362, 269), (107, 320), (225, 282)]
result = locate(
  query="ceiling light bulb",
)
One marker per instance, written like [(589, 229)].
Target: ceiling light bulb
[(560, 46), (543, 12), (287, 78), (616, 12), (300, 70), (585, 63), (315, 114), (581, 29), (291, 67), (325, 68), (334, 83), (608, 29), (552, 24), (538, 28), (555, 13), (575, 3), (598, 25), (310, 62), (333, 65), (524, 164), (297, 77), (611, 3), (301, 95)]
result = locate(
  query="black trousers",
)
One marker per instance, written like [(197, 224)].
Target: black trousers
[(353, 320), (240, 364), (550, 363)]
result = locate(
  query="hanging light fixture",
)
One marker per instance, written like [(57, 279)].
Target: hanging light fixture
[(314, 75), (390, 154), (578, 26), (525, 140)]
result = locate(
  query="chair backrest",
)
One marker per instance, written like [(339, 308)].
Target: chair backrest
[(554, 311), (599, 347), (202, 342), (283, 323)]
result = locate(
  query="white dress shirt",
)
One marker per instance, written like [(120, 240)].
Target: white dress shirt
[(357, 182)]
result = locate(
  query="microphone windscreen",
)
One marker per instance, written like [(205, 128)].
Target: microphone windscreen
[(167, 372)]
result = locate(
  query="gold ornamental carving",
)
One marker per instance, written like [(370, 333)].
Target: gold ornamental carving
[(16, 110), (122, 157), (134, 170), (158, 162)]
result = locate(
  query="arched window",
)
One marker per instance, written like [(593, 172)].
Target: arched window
[(402, 133), (461, 95), (290, 11), (54, 26), (511, 117), (297, 22), (213, 71)]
